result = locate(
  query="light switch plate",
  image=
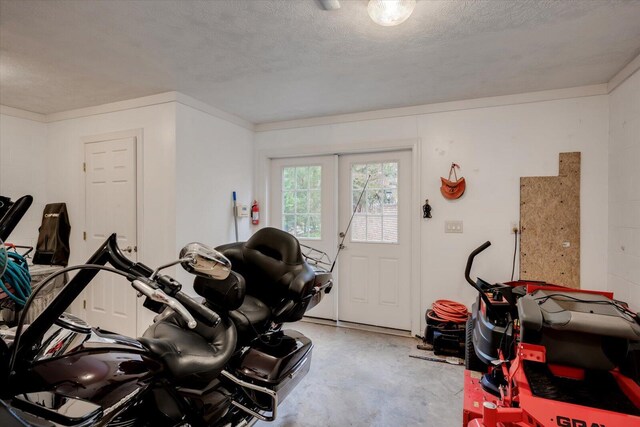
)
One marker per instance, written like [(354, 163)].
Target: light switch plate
[(453, 227)]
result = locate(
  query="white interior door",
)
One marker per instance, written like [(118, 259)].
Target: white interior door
[(303, 202), (375, 263), (110, 186)]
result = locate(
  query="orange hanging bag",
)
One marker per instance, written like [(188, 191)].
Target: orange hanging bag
[(453, 189)]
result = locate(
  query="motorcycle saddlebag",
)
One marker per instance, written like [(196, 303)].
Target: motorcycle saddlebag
[(279, 364)]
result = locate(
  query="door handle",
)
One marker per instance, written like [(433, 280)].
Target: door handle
[(130, 249)]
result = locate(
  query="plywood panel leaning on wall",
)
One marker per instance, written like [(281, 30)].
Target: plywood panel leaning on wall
[(550, 225)]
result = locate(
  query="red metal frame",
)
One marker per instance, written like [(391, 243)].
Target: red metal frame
[(547, 287), (482, 409), (519, 407)]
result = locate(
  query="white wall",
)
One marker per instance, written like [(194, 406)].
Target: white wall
[(65, 178), (191, 163), (213, 158), (23, 170), (624, 191), (495, 147)]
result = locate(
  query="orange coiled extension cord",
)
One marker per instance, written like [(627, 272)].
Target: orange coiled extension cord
[(445, 310)]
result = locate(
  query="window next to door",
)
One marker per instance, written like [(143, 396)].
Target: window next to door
[(376, 217), (302, 201)]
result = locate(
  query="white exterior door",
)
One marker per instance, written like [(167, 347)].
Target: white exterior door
[(375, 263), (110, 188), (303, 202)]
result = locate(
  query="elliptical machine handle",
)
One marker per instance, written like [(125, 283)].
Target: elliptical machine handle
[(472, 255)]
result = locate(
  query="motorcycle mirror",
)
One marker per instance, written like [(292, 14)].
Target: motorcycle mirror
[(205, 261)]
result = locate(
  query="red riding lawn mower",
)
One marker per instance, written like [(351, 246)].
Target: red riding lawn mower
[(545, 355)]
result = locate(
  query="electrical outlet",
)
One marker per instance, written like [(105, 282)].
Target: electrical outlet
[(453, 227), (514, 227)]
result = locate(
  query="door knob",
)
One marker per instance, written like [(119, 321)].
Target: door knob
[(130, 249)]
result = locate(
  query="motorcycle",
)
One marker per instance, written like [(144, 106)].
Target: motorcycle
[(222, 362)]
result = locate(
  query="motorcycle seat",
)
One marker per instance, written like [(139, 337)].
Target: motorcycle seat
[(275, 272), (193, 357), (252, 318)]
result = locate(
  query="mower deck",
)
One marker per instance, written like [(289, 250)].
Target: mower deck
[(598, 390), (614, 400)]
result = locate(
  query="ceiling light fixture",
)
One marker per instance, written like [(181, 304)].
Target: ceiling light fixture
[(390, 12)]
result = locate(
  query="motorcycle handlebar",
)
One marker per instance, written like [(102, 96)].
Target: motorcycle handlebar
[(193, 307), (145, 287), (202, 313), (169, 286)]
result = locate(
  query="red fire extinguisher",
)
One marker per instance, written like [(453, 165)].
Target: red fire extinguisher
[(255, 213)]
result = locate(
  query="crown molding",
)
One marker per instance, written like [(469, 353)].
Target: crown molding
[(112, 107), (23, 114), (622, 75), (213, 111), (146, 101), (495, 101)]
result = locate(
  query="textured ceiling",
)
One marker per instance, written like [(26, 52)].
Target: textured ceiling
[(282, 59)]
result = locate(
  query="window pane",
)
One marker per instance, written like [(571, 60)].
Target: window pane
[(375, 172), (359, 228), (314, 226), (355, 197), (374, 202), (302, 202), (302, 178), (376, 217), (314, 201), (358, 176), (390, 202), (289, 223), (315, 173), (390, 229), (301, 226), (289, 202), (289, 178), (390, 172), (374, 228)]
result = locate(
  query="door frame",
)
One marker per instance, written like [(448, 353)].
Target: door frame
[(263, 166), (84, 140)]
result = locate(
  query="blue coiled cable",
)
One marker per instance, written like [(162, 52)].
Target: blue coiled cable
[(16, 274)]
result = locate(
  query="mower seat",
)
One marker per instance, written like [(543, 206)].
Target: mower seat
[(577, 329)]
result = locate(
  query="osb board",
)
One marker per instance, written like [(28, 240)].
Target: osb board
[(550, 225)]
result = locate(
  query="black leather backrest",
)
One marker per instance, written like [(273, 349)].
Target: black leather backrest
[(273, 260), (226, 294), (276, 244), (272, 264)]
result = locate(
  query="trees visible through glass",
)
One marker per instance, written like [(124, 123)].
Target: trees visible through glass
[(302, 201)]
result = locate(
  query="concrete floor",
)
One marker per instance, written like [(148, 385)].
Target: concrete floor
[(363, 379)]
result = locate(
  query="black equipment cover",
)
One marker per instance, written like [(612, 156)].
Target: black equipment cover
[(53, 240)]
